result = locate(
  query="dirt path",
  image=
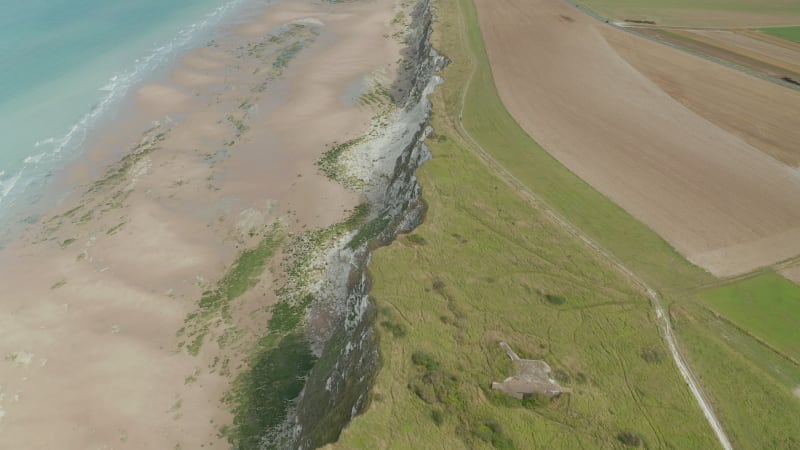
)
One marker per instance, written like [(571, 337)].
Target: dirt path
[(537, 203)]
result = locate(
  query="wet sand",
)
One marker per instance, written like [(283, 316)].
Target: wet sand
[(93, 298)]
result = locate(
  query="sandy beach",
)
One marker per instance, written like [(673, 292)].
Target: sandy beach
[(219, 150)]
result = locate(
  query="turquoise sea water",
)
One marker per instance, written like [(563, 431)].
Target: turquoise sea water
[(64, 64)]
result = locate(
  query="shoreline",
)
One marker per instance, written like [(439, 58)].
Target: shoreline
[(100, 288), (29, 183)]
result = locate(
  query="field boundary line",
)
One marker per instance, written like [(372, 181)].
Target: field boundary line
[(536, 202)]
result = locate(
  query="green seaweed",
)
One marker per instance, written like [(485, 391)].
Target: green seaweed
[(262, 394), (243, 274), (369, 231), (287, 54), (331, 165)]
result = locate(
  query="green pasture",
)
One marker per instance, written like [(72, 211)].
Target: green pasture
[(789, 33), (766, 305)]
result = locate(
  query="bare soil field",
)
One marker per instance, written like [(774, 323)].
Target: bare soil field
[(576, 86), (700, 13), (758, 45), (765, 115), (745, 48)]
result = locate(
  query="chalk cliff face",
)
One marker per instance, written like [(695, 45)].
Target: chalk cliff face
[(338, 387)]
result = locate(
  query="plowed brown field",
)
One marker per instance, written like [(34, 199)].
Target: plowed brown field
[(725, 204), (757, 45), (765, 115)]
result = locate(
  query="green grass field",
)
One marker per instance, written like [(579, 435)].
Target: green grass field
[(739, 13), (749, 386), (486, 266), (790, 33), (768, 306)]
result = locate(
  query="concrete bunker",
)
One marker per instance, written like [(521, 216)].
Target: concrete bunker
[(532, 377)]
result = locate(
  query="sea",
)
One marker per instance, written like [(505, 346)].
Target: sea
[(65, 65)]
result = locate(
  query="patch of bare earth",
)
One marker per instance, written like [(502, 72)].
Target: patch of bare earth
[(575, 88)]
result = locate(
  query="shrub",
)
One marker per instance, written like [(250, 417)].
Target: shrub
[(420, 358), (650, 355), (630, 439), (416, 239), (437, 416), (555, 299), (491, 432), (534, 401), (397, 329)]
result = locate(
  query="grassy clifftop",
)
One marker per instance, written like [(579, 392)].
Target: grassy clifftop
[(486, 266)]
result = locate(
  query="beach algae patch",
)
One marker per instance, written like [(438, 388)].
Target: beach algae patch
[(332, 166), (213, 314), (109, 193), (261, 396)]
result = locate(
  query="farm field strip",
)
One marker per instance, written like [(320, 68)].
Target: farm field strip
[(705, 190), (749, 385), (756, 119), (487, 266), (788, 33), (778, 55), (767, 305), (734, 49), (712, 101), (665, 328), (701, 14), (774, 44)]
